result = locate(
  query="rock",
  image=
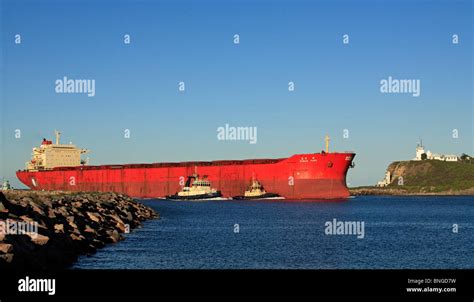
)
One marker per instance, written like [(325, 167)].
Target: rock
[(93, 216), (5, 248), (4, 214), (121, 226), (88, 229), (61, 211), (69, 224), (26, 219), (59, 228), (115, 217), (38, 239), (72, 225), (25, 201), (76, 237), (108, 205), (112, 236), (46, 202), (36, 209), (3, 198), (98, 243), (8, 258), (51, 213), (129, 216)]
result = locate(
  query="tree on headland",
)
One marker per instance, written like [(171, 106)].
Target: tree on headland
[(424, 156)]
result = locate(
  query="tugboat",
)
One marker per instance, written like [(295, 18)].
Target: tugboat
[(256, 191), (196, 189)]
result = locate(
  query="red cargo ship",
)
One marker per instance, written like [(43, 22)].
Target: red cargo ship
[(301, 176)]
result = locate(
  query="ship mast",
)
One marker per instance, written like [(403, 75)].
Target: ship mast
[(327, 143), (58, 134)]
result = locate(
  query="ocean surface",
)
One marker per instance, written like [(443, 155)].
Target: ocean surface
[(399, 232)]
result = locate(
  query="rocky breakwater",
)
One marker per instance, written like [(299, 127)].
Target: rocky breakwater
[(49, 230)]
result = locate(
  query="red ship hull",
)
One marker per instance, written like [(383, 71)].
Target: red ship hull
[(301, 176)]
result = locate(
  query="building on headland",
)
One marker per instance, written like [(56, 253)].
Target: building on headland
[(386, 181), (420, 150), (421, 154), (6, 186)]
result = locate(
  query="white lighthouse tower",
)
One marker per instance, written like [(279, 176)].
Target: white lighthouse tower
[(420, 149)]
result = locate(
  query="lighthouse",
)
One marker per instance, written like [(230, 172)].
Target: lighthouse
[(420, 149)]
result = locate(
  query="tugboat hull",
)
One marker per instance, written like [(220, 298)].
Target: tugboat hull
[(263, 196), (195, 197)]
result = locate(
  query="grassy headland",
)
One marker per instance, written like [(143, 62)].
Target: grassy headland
[(425, 177)]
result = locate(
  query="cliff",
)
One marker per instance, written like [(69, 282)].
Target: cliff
[(67, 225), (425, 177)]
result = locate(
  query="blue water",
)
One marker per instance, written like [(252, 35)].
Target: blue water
[(400, 232)]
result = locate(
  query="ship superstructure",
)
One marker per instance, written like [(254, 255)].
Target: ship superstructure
[(48, 155)]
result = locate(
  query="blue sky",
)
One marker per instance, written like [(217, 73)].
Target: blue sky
[(337, 86)]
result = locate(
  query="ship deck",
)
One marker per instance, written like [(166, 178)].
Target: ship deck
[(173, 164)]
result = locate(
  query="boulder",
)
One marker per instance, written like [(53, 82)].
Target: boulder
[(72, 225), (38, 239), (27, 219), (112, 236), (69, 224), (121, 227), (59, 228), (51, 213), (5, 248), (90, 230), (76, 237), (61, 211), (93, 216), (8, 258), (36, 209)]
